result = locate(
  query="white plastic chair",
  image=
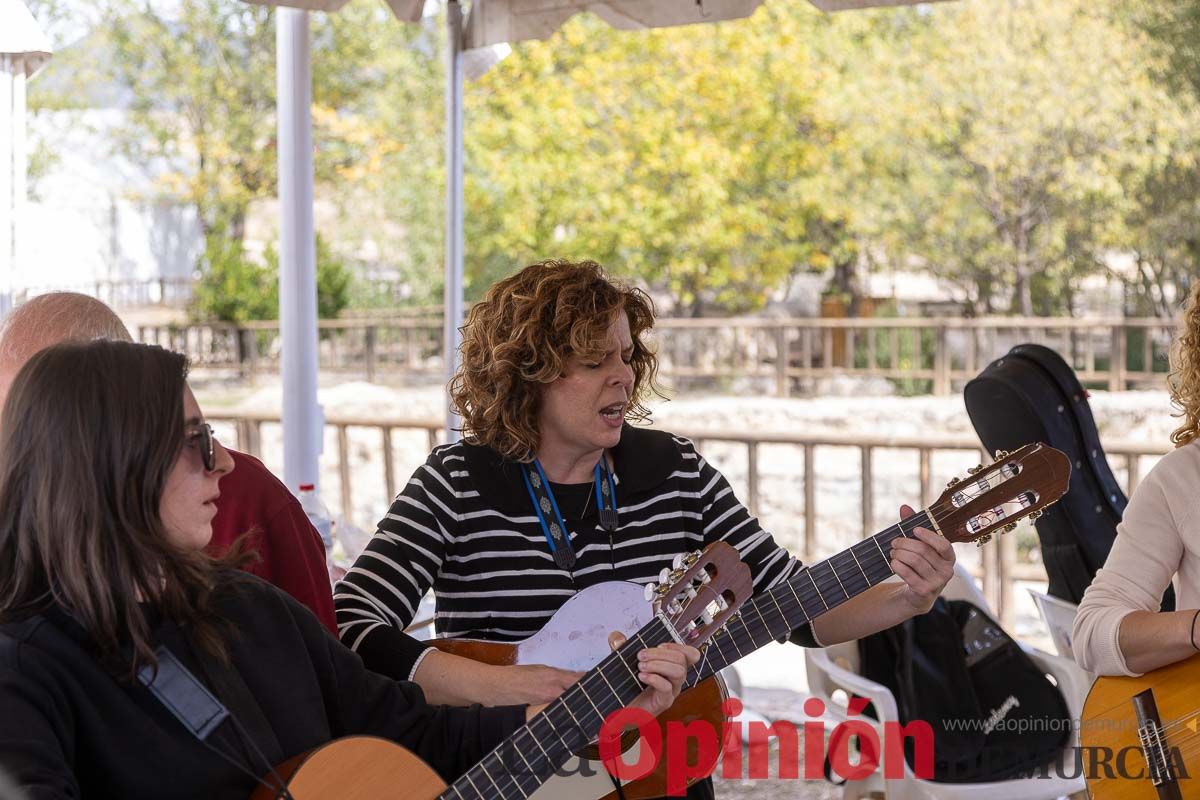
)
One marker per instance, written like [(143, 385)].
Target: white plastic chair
[(836, 668), (1059, 616)]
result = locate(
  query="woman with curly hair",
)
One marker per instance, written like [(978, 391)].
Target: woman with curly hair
[(553, 491), (109, 481), (1119, 629)]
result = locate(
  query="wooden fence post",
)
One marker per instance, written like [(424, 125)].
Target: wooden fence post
[(344, 473), (941, 362), (752, 478), (248, 342), (868, 498), (1116, 362), (1006, 557), (810, 504), (781, 361), (369, 333), (389, 464)]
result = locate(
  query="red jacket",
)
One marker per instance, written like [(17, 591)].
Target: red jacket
[(291, 553)]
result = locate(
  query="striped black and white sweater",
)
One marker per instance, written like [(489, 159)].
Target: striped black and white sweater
[(465, 526)]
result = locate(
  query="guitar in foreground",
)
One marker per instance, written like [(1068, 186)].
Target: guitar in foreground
[(706, 594), (1140, 737), (991, 499)]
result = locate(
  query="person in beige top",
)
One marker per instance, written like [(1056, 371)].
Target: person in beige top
[(1119, 629)]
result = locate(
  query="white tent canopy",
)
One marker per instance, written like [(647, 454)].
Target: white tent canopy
[(507, 21), (23, 51), (490, 22)]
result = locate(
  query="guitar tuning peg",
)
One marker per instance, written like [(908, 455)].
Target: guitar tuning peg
[(1001, 454), (975, 469), (953, 482), (693, 557), (987, 537), (676, 574), (677, 562), (664, 575), (649, 591), (1012, 526)]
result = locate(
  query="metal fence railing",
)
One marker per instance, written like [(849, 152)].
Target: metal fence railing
[(778, 356), (999, 566)]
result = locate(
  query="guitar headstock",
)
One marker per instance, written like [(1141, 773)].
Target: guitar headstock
[(992, 498), (702, 591)]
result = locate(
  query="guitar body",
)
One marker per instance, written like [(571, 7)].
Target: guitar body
[(1110, 723), (576, 638), (355, 768)]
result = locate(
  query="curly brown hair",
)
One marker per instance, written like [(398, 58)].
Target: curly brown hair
[(519, 337), (1184, 379)]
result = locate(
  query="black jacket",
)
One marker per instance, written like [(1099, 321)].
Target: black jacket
[(69, 729)]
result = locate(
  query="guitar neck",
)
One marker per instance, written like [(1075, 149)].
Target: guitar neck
[(529, 757), (774, 614)]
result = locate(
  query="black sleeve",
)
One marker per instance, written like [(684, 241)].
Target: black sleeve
[(36, 733), (448, 739), (379, 595)]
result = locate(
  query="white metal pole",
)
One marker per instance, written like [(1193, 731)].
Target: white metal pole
[(303, 425), (453, 295), (9, 122), (20, 174)]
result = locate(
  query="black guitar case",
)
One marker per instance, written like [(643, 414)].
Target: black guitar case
[(1032, 395)]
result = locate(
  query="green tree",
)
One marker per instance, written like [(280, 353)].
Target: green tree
[(678, 155), (1162, 219), (1004, 141), (234, 287), (199, 76)]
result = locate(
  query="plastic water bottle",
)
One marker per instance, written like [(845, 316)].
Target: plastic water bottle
[(319, 516)]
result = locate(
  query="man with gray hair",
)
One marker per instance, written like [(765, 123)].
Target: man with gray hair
[(252, 501)]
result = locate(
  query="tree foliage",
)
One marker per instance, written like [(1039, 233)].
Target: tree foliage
[(1013, 149), (234, 287), (678, 155)]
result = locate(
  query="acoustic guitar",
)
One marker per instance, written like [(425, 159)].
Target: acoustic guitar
[(1140, 737), (706, 591), (990, 500)]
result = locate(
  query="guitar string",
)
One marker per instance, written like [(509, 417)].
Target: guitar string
[(970, 487), (536, 762), (625, 684), (1190, 750), (837, 582), (1182, 722), (598, 672)]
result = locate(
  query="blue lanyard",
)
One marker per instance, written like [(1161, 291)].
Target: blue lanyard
[(544, 504)]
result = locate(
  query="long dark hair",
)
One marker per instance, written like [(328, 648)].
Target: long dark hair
[(88, 436)]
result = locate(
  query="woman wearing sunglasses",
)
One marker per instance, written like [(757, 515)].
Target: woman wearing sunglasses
[(109, 479)]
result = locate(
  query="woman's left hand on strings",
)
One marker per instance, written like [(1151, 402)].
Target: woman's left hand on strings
[(925, 563), (662, 670)]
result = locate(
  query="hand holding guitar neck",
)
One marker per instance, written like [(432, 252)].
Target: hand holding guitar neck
[(701, 596), (663, 670)]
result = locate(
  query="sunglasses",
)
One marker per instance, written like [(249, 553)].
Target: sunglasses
[(203, 439)]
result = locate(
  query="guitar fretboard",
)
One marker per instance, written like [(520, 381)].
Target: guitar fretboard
[(527, 759), (774, 614)]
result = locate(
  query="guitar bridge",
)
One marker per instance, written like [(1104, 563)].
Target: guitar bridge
[(1154, 746)]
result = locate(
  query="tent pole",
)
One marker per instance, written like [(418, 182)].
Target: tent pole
[(303, 423), (453, 295), (12, 121)]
